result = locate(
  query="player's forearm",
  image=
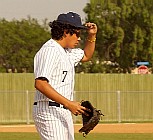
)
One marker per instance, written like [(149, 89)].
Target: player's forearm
[(90, 41), (50, 92), (89, 47)]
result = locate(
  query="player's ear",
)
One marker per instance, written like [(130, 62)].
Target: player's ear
[(65, 34)]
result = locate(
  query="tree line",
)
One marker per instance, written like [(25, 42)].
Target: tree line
[(19, 41), (125, 36)]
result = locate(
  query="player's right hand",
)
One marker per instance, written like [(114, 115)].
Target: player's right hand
[(76, 108)]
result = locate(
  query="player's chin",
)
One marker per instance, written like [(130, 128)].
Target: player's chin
[(73, 46)]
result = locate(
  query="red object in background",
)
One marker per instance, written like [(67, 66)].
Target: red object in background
[(142, 69)]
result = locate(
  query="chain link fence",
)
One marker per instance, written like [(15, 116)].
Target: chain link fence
[(117, 106)]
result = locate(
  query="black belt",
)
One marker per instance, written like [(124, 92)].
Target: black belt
[(52, 104)]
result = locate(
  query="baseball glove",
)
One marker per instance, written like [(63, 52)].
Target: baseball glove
[(90, 121)]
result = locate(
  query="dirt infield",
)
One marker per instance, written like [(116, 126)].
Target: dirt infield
[(100, 128)]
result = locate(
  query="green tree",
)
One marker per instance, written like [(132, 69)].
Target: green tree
[(125, 31), (19, 41)]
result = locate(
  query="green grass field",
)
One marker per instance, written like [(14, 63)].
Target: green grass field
[(92, 136)]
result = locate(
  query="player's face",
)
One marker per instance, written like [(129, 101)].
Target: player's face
[(73, 40), (77, 33)]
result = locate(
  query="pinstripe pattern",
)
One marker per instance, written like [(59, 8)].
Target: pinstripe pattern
[(57, 65), (53, 123)]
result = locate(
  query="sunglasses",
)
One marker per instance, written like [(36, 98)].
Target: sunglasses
[(78, 33)]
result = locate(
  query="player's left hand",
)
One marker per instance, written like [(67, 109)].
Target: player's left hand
[(91, 28)]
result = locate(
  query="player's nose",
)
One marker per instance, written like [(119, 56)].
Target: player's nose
[(79, 38)]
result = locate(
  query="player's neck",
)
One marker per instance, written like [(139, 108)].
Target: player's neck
[(62, 43)]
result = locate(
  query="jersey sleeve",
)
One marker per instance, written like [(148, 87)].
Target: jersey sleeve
[(45, 62), (76, 55)]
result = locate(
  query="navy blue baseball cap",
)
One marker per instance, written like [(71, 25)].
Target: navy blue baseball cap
[(71, 18)]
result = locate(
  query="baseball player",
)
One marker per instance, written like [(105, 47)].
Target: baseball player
[(54, 76)]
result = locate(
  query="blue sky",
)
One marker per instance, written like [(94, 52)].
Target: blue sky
[(40, 9)]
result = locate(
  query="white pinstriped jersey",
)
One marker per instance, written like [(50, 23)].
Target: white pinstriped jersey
[(57, 65)]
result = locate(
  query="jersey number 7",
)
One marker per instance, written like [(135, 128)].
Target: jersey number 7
[(64, 73)]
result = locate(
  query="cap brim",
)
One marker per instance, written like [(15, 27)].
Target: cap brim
[(83, 27), (80, 27)]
